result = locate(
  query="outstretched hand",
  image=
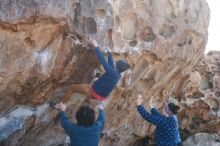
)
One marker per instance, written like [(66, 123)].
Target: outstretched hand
[(153, 104), (108, 50), (94, 42), (140, 99), (61, 106), (101, 105)]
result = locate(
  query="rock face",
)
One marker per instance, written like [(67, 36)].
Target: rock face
[(203, 139), (201, 109), (44, 48)]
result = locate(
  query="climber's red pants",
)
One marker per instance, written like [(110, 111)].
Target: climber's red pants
[(95, 95)]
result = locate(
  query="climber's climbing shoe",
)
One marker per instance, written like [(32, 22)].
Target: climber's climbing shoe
[(53, 105), (96, 74)]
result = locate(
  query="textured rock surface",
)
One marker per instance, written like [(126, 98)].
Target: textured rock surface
[(44, 49), (203, 139), (201, 109)]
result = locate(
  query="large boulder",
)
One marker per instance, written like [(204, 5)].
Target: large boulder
[(44, 49)]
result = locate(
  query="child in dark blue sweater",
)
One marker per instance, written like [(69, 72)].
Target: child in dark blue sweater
[(102, 87), (87, 130), (167, 133), (108, 81)]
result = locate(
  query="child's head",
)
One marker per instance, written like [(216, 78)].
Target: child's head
[(85, 116), (122, 66), (170, 109), (173, 108)]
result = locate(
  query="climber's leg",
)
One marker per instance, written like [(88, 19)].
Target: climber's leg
[(79, 88), (97, 73)]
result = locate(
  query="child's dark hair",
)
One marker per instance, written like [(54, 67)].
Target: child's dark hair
[(173, 108), (85, 116)]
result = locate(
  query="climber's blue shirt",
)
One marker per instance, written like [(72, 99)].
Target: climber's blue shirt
[(167, 133), (107, 82), (80, 135)]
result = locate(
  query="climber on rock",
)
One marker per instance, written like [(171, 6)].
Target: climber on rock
[(167, 131), (87, 130), (102, 87)]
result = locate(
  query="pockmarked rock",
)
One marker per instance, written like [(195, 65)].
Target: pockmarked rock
[(45, 47)]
